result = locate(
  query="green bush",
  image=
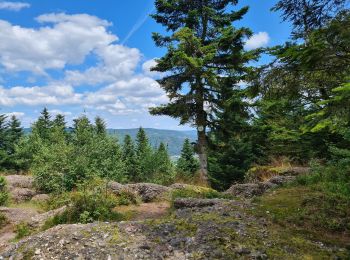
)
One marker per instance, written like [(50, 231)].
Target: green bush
[(90, 202), (332, 178), (4, 195), (22, 230), (3, 220), (126, 198)]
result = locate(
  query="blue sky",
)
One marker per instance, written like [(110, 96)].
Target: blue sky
[(93, 57)]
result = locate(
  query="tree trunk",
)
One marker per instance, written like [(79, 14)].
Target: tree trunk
[(203, 156)]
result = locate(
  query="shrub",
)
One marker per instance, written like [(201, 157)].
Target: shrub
[(91, 202), (22, 230), (332, 178), (198, 193), (4, 195), (3, 220), (126, 198)]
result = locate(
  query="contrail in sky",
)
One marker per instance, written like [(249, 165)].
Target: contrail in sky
[(138, 25)]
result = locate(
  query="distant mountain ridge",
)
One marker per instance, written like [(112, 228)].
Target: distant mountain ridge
[(172, 138)]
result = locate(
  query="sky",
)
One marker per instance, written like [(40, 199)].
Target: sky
[(94, 58)]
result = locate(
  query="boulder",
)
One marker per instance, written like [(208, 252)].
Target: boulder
[(249, 190), (116, 187), (19, 195), (148, 192), (17, 215), (40, 198), (280, 180), (196, 203), (19, 181)]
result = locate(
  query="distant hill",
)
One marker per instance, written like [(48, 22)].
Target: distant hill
[(174, 139)]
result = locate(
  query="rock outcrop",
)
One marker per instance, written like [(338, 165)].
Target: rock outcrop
[(224, 230), (20, 187)]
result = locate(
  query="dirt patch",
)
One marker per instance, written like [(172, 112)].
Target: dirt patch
[(143, 211)]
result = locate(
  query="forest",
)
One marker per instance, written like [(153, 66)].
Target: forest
[(293, 111)]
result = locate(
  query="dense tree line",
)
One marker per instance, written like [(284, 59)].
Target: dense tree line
[(60, 157)]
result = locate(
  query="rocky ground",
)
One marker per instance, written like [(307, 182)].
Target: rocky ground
[(190, 229)]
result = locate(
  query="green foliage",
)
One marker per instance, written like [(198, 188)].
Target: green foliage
[(4, 195), (3, 220), (205, 57), (90, 202), (22, 230), (163, 167), (187, 165), (129, 158), (198, 193), (126, 198), (333, 178), (309, 208)]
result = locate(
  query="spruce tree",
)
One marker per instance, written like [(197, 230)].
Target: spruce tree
[(3, 141), (164, 173), (308, 15), (144, 164), (129, 158), (203, 49), (43, 125), (187, 165), (100, 126), (15, 134)]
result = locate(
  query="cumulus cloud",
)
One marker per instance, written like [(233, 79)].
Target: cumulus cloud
[(13, 6), (16, 114), (32, 96), (64, 40), (117, 62), (258, 40), (67, 39), (147, 67)]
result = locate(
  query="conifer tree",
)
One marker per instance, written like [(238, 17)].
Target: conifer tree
[(164, 170), (43, 125), (203, 49), (100, 126), (14, 135), (3, 140), (144, 164), (129, 158), (187, 165)]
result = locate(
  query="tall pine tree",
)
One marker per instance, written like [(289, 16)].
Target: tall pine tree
[(203, 49), (187, 165)]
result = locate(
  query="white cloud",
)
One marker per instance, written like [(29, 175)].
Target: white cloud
[(258, 40), (33, 96), (16, 114), (117, 62), (60, 112), (148, 65), (13, 6), (68, 40)]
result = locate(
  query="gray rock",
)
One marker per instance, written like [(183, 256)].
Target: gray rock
[(19, 195), (149, 192), (116, 187), (41, 198), (248, 190), (19, 181), (196, 203), (280, 180)]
